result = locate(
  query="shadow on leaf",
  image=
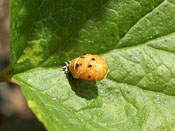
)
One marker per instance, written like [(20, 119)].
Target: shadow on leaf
[(83, 88)]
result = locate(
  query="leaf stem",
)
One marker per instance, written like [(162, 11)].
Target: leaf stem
[(4, 76), (5, 79)]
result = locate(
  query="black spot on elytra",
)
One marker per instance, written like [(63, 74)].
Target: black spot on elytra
[(81, 56), (89, 76), (80, 64), (77, 65), (93, 59), (89, 66)]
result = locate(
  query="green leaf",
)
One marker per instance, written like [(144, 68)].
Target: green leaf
[(137, 39)]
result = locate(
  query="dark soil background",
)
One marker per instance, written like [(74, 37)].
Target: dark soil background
[(14, 112)]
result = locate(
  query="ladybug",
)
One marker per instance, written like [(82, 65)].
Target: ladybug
[(87, 67)]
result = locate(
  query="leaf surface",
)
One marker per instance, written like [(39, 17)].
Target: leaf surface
[(137, 39)]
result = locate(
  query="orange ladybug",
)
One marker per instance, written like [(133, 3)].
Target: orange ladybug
[(88, 67)]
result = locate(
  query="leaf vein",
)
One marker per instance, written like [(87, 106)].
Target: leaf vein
[(141, 44), (74, 34), (110, 79), (139, 21)]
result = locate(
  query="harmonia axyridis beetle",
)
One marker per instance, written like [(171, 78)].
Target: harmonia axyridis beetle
[(88, 67)]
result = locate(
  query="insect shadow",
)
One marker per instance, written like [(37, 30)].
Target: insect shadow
[(83, 88)]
